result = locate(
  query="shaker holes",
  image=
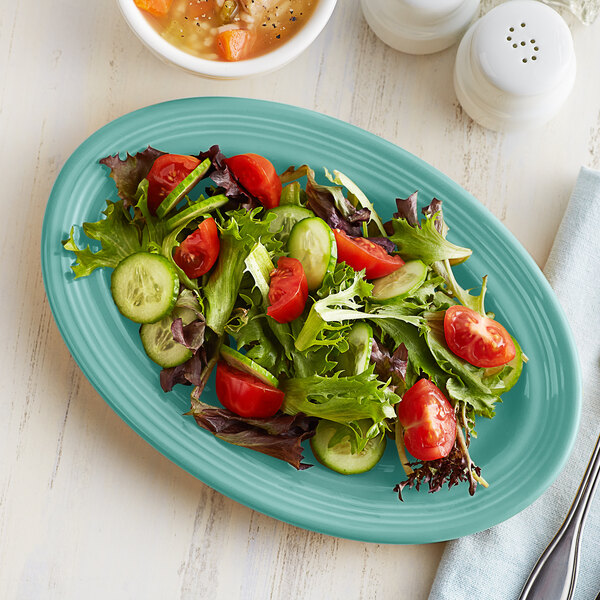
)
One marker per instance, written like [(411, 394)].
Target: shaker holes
[(522, 43)]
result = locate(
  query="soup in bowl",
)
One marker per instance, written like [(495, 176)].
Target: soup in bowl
[(227, 38)]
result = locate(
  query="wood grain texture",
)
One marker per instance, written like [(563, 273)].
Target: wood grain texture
[(87, 508)]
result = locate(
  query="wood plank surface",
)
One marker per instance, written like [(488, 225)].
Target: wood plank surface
[(87, 508)]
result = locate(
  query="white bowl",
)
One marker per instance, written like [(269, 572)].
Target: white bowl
[(218, 69)]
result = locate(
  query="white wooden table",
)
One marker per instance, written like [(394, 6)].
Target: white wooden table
[(87, 508)]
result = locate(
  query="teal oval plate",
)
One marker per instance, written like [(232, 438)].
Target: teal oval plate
[(521, 450)]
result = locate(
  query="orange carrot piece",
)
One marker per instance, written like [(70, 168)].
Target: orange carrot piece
[(233, 43), (158, 8)]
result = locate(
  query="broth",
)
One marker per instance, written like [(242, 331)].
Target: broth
[(229, 29)]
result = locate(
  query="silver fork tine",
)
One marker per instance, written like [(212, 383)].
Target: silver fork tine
[(555, 574)]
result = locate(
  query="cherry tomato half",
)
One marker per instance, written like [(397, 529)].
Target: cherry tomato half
[(288, 291), (166, 173), (480, 340), (428, 420), (360, 254), (244, 394), (199, 251), (258, 176)]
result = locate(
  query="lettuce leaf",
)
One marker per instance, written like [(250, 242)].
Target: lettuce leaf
[(425, 243), (344, 400), (238, 234), (118, 234), (329, 203), (129, 172), (452, 470), (226, 181), (361, 198), (390, 366), (476, 303), (280, 436), (420, 359), (205, 349), (336, 306), (333, 312), (407, 209), (255, 338), (188, 373)]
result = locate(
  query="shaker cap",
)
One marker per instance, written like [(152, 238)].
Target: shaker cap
[(523, 47), (515, 66)]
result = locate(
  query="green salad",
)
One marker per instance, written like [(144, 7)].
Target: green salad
[(320, 320)]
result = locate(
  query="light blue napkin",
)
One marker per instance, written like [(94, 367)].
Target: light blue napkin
[(495, 564)]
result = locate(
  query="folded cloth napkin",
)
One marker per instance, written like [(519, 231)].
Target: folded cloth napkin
[(495, 564)]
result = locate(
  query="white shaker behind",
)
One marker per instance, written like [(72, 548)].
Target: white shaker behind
[(515, 66), (419, 26)]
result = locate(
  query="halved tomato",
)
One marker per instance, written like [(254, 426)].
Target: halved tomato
[(288, 291), (167, 172), (428, 421), (480, 340), (196, 255), (258, 176), (244, 394), (360, 254)]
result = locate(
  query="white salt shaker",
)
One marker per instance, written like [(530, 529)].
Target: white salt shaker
[(515, 67), (419, 26)]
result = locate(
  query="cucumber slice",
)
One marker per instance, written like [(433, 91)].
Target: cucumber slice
[(195, 210), (238, 361), (285, 219), (339, 458), (182, 188), (145, 287), (312, 242), (510, 372), (158, 342), (358, 356), (401, 283)]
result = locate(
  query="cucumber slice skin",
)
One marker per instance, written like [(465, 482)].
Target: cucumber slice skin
[(196, 210), (237, 360), (312, 242), (358, 356), (157, 339), (144, 287), (286, 217), (400, 284), (339, 458), (182, 188)]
